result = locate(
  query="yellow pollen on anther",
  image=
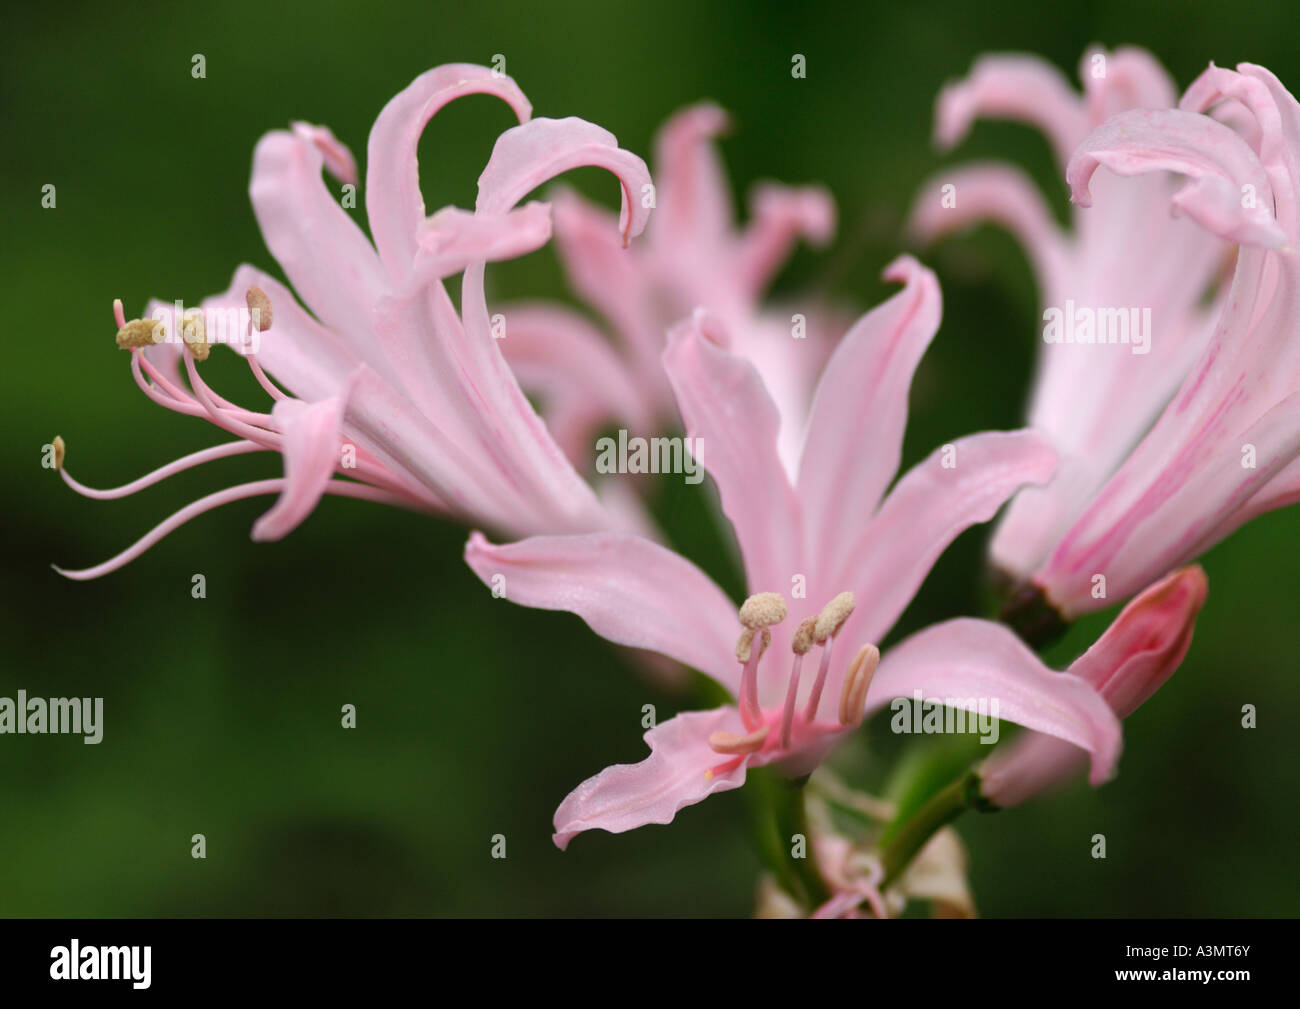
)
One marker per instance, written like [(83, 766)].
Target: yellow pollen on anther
[(832, 617), (140, 333), (763, 610), (60, 452), (195, 335), (259, 307), (803, 637), (856, 681), (746, 642)]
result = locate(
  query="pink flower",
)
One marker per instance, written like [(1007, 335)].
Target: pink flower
[(389, 385), (849, 556), (1129, 663), (692, 256), (1127, 255), (1226, 447)]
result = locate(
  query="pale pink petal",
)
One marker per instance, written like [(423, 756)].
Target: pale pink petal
[(676, 774), (311, 453), (934, 502), (1128, 78), (582, 381), (726, 408), (535, 152), (393, 200), (859, 412), (694, 200), (1012, 86), (1217, 162), (629, 591), (338, 159), (452, 239), (779, 217), (326, 257), (996, 194), (964, 660)]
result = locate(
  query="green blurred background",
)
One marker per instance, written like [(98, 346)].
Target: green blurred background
[(475, 718)]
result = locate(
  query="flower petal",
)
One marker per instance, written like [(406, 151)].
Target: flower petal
[(1216, 160), (963, 660), (694, 200), (311, 452), (583, 382), (779, 217), (1012, 86), (862, 400), (938, 499), (525, 156), (629, 591), (997, 194), (393, 200), (453, 238), (726, 409), (324, 254), (626, 796)]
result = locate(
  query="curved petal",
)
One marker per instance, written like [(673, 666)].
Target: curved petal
[(453, 238), (676, 774), (311, 453), (965, 660), (1012, 86), (861, 400), (1128, 78), (779, 217), (958, 486), (525, 156), (694, 200), (324, 254), (339, 161), (1216, 160), (726, 409), (997, 194), (629, 591), (393, 200)]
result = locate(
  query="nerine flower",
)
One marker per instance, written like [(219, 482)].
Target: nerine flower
[(849, 556), (1227, 448), (1127, 269), (388, 385), (1131, 661), (691, 256)]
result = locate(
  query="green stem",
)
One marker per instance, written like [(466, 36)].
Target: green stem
[(903, 840), (780, 814)]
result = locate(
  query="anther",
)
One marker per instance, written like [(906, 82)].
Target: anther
[(763, 610), (259, 308), (60, 452), (730, 743), (832, 617), (140, 333), (856, 681), (746, 642), (804, 637), (194, 333)]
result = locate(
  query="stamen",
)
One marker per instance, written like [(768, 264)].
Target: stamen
[(158, 475), (833, 616), (344, 488), (259, 308), (750, 712), (801, 645), (815, 698), (60, 452), (119, 316), (763, 610), (729, 742), (856, 681)]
